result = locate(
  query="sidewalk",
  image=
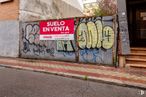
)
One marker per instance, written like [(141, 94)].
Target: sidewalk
[(120, 76)]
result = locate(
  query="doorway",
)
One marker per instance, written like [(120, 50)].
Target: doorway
[(136, 15)]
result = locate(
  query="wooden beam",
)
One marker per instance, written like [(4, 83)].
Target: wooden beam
[(122, 61)]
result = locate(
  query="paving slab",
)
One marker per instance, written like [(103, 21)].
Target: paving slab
[(120, 76)]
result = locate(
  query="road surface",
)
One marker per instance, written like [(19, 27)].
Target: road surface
[(22, 83)]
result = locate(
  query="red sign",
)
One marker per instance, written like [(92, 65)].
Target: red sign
[(57, 30)]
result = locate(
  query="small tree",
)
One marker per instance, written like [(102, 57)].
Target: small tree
[(101, 8), (108, 7)]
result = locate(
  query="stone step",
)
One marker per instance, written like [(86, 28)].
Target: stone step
[(136, 65), (136, 59), (136, 56), (138, 49)]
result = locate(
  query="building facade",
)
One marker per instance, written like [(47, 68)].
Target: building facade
[(9, 28), (19, 29)]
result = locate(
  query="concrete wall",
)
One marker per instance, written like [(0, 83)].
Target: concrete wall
[(9, 10), (124, 43), (33, 10), (69, 8), (93, 45), (9, 38), (96, 39), (32, 47)]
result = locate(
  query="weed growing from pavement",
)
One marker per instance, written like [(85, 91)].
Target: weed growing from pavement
[(86, 77)]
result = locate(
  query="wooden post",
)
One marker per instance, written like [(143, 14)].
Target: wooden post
[(122, 61)]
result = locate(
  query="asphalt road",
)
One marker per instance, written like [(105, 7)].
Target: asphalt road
[(21, 83)]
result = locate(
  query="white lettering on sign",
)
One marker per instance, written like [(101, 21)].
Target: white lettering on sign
[(57, 30), (62, 28), (56, 23)]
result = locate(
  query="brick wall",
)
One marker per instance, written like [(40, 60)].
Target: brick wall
[(9, 10)]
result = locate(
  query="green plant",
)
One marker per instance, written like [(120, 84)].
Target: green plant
[(85, 77)]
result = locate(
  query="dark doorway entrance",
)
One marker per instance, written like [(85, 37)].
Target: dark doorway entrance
[(136, 12)]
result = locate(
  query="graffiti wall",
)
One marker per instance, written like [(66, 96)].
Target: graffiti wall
[(32, 47), (95, 39), (94, 42)]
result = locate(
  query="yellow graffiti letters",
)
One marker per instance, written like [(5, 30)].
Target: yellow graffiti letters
[(81, 35), (92, 35), (108, 37), (95, 35), (99, 30)]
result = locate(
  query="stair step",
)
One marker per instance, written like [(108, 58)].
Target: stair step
[(137, 54), (136, 59), (136, 65), (135, 62), (138, 49)]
